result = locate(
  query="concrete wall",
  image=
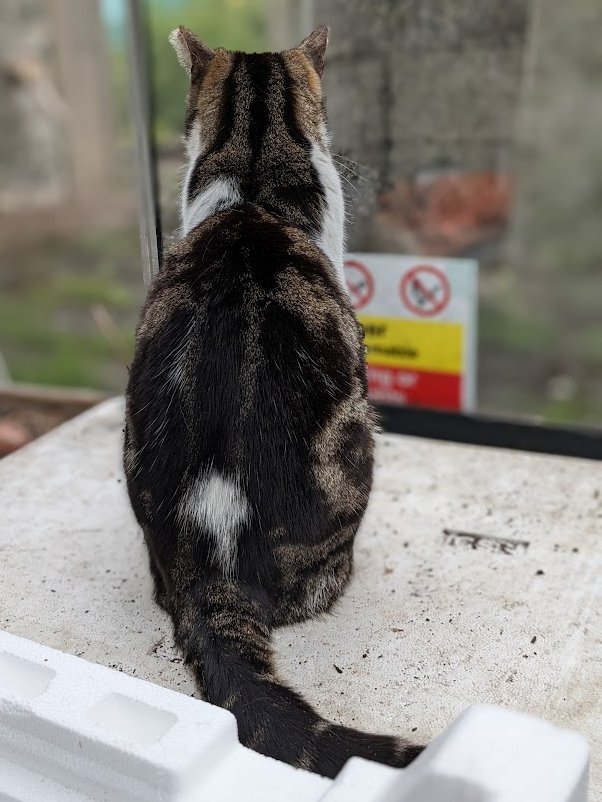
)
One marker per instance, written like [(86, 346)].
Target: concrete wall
[(415, 87)]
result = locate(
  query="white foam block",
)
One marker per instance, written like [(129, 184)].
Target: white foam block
[(494, 755), (101, 733), (71, 730)]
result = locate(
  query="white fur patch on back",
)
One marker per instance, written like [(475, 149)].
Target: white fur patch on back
[(219, 195), (219, 505), (332, 234)]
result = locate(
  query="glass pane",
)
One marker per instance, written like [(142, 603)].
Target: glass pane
[(472, 130), (462, 130)]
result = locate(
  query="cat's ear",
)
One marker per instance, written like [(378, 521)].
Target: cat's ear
[(192, 53), (314, 47)]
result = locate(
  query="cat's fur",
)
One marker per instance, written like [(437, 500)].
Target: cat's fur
[(249, 439)]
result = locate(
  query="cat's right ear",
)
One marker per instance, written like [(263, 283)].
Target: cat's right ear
[(314, 48), (192, 53)]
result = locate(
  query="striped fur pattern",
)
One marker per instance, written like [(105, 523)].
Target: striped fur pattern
[(249, 440)]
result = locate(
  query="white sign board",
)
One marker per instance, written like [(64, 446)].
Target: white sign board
[(419, 317)]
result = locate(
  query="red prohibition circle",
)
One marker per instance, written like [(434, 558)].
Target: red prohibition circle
[(361, 288), (425, 290)]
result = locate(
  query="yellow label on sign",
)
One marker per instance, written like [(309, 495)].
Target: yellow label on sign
[(422, 345)]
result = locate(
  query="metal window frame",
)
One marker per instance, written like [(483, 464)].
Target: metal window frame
[(142, 106)]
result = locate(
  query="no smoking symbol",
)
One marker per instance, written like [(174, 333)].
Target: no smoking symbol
[(425, 290), (359, 283)]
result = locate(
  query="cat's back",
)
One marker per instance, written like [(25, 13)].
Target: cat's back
[(247, 244), (244, 270), (248, 325)]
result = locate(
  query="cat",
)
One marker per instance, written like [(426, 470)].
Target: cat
[(249, 438)]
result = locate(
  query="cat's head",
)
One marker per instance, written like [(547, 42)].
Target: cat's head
[(230, 91), (255, 132)]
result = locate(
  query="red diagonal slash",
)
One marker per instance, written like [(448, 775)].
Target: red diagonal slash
[(422, 299)]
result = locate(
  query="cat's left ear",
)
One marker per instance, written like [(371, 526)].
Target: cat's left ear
[(192, 53), (314, 47)]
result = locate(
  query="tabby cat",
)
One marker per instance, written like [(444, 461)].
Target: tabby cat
[(249, 439)]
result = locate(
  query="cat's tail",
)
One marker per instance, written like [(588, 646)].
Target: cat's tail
[(224, 631)]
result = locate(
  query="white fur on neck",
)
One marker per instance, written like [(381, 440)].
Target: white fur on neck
[(220, 194), (194, 147), (332, 235), (224, 192), (217, 196)]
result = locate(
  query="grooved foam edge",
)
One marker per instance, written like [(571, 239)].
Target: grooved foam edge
[(71, 731)]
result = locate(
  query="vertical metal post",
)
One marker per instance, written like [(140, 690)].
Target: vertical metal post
[(306, 17), (140, 99)]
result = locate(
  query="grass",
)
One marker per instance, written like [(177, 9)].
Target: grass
[(500, 328), (40, 348), (67, 326), (87, 289)]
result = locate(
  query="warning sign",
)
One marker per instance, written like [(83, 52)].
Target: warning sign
[(425, 290), (419, 319), (359, 283)]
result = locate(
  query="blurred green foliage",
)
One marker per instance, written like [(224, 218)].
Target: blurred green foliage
[(233, 24), (69, 326)]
